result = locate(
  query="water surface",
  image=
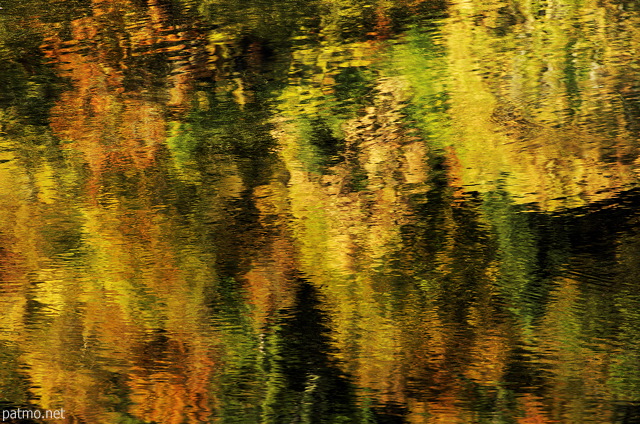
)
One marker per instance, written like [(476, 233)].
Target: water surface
[(326, 211)]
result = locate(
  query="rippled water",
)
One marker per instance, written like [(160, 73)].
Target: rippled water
[(325, 211)]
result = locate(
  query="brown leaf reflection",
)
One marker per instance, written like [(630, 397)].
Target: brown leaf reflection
[(175, 389), (130, 67)]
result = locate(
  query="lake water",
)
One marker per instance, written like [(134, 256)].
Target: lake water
[(320, 211)]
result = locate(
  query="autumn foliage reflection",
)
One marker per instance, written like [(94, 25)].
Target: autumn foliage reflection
[(320, 212)]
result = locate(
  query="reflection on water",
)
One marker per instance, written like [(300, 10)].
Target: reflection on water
[(326, 211)]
